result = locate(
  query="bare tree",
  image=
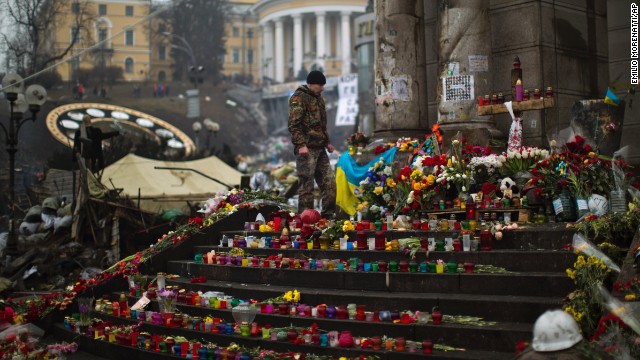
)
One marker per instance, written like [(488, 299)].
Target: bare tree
[(30, 45), (201, 24)]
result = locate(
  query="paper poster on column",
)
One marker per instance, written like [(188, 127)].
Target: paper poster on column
[(457, 88), (347, 100)]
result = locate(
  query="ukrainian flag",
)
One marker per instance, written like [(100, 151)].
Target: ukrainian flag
[(611, 98), (348, 177)]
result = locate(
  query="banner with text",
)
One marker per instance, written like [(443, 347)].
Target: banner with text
[(348, 100)]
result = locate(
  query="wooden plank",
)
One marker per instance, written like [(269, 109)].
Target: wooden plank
[(517, 106)]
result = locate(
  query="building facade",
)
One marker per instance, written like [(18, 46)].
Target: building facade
[(116, 34), (298, 36)]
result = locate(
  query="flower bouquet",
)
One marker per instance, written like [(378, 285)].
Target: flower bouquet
[(376, 190), (517, 164), (85, 305), (358, 139), (167, 300)]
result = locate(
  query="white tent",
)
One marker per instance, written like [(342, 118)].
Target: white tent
[(161, 189)]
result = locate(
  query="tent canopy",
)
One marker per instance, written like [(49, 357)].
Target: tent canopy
[(138, 175)]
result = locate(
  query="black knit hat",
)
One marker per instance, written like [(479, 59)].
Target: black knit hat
[(316, 77)]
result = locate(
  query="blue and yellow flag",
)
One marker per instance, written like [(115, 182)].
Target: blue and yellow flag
[(348, 177), (611, 98)]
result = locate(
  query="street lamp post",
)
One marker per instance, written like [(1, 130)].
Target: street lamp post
[(32, 99)]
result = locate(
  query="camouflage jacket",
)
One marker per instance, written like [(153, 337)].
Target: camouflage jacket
[(307, 119)]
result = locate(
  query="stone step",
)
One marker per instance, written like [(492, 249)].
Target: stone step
[(522, 284), (550, 236), (496, 336), (120, 351), (511, 260), (489, 307)]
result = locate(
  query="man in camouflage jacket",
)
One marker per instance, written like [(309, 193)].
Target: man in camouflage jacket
[(308, 128)]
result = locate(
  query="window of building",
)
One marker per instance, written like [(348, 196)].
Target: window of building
[(102, 9), (102, 35), (162, 52), (75, 34), (128, 66), (75, 8), (162, 76), (128, 38), (236, 56), (128, 11), (236, 32), (250, 56)]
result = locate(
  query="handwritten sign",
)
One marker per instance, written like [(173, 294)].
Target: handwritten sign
[(348, 100)]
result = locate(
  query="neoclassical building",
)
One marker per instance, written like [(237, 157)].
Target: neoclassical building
[(303, 35)]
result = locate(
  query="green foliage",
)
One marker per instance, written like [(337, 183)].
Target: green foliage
[(615, 228)]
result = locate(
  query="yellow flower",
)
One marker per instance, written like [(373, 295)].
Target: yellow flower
[(296, 296), (288, 296), (377, 190), (417, 186), (390, 182), (431, 179), (591, 154), (416, 174), (571, 274), (630, 297)]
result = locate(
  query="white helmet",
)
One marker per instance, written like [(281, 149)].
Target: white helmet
[(555, 330)]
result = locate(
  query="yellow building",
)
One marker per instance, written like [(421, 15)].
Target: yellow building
[(240, 61), (270, 40), (115, 33)]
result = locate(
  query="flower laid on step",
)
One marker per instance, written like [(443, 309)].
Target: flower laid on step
[(587, 274), (376, 191), (167, 298), (358, 139), (339, 229), (288, 296)]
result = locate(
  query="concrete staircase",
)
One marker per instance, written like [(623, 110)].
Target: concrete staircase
[(508, 303)]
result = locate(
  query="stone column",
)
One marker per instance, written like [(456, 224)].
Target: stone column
[(307, 35), (279, 56), (401, 103), (267, 35), (465, 50), (320, 40), (297, 43), (346, 42)]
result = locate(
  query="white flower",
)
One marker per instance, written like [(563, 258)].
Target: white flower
[(464, 188), (502, 159), (525, 155), (388, 171), (464, 176), (386, 197), (518, 156), (458, 176)]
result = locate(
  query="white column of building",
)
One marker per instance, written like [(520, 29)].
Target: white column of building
[(328, 24), (320, 43), (279, 55), (267, 42), (338, 40), (307, 34), (297, 43), (346, 42)]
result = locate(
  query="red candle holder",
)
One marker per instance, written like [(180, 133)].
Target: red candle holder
[(470, 210), (379, 241), (427, 346), (361, 238), (436, 315), (486, 240)]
